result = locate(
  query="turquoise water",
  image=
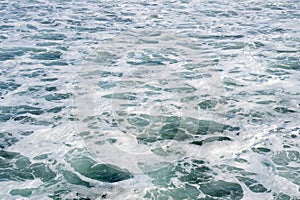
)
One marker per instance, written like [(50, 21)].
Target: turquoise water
[(150, 99)]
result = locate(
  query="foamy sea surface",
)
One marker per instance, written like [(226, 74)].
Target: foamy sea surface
[(150, 99)]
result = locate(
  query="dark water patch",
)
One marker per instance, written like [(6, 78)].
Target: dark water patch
[(286, 62), (90, 29), (49, 79), (222, 189), (26, 192), (5, 117), (63, 48), (206, 63), (211, 139), (51, 88), (283, 110), (286, 51), (235, 170), (84, 133), (25, 133), (150, 93), (30, 26), (172, 131), (278, 72), (41, 157), (240, 160), (57, 96), (261, 150), (252, 184), (186, 89), (147, 63), (121, 96), (206, 127), (194, 75), (42, 171), (10, 85), (285, 157), (139, 121), (25, 119), (230, 45), (101, 172), (112, 140), (207, 104), (32, 90), (6, 56), (245, 177), (293, 136), (189, 98), (115, 74), (282, 196), (15, 167), (265, 102), (34, 74), (47, 21), (290, 173), (74, 179), (50, 55), (13, 52), (22, 109), (290, 66), (93, 121), (191, 174), (266, 92), (106, 84), (285, 161), (3, 37), (151, 87), (163, 175), (56, 63), (175, 128), (215, 37), (197, 175), (6, 27), (7, 139), (231, 82), (56, 109), (51, 36), (258, 44)]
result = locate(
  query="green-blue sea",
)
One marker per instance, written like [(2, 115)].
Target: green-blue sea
[(148, 99)]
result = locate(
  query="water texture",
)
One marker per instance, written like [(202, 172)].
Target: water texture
[(150, 99)]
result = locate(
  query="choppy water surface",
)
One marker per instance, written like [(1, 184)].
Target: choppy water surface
[(150, 99)]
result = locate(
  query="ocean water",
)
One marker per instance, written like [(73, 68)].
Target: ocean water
[(150, 99)]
